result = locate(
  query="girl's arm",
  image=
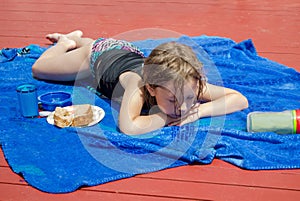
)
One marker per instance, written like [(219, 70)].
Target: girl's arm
[(130, 120), (221, 101)]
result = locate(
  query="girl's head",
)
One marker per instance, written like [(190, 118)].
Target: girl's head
[(173, 78)]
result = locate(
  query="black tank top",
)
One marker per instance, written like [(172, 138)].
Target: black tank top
[(110, 65)]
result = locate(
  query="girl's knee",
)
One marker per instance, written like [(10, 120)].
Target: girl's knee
[(35, 69)]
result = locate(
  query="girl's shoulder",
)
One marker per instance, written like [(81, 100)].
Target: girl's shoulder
[(131, 78)]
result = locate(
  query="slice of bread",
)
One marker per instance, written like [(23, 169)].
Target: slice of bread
[(62, 117), (76, 115), (83, 115)]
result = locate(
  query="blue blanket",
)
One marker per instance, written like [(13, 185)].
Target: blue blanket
[(62, 160)]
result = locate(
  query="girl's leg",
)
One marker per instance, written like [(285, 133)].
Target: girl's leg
[(66, 61), (75, 36)]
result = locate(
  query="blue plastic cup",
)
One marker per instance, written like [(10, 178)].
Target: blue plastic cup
[(27, 97)]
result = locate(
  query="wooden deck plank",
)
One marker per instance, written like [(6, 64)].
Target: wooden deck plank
[(3, 162), (193, 190), (14, 187), (203, 174), (159, 188), (254, 20), (219, 176), (11, 192), (232, 175), (110, 17)]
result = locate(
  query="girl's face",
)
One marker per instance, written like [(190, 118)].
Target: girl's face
[(171, 102)]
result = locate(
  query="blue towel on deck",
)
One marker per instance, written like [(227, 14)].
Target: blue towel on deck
[(62, 160)]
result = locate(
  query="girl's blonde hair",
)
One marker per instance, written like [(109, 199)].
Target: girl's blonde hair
[(172, 61)]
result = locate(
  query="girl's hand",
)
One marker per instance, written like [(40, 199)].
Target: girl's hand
[(192, 115)]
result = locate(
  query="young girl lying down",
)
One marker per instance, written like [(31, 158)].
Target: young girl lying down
[(169, 82)]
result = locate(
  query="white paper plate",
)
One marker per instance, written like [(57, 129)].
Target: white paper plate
[(98, 115)]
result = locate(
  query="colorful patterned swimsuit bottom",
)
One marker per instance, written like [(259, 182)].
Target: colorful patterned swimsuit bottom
[(105, 44)]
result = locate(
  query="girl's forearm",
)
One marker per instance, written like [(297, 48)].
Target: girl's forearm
[(225, 105), (144, 124)]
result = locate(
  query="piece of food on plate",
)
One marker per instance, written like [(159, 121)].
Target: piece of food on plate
[(83, 115), (62, 117), (75, 115)]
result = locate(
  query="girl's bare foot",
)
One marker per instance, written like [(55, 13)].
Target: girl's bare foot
[(68, 43), (55, 37)]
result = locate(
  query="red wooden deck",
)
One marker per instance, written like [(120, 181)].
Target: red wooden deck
[(272, 24)]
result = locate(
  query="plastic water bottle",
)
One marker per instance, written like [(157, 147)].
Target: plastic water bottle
[(286, 122)]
